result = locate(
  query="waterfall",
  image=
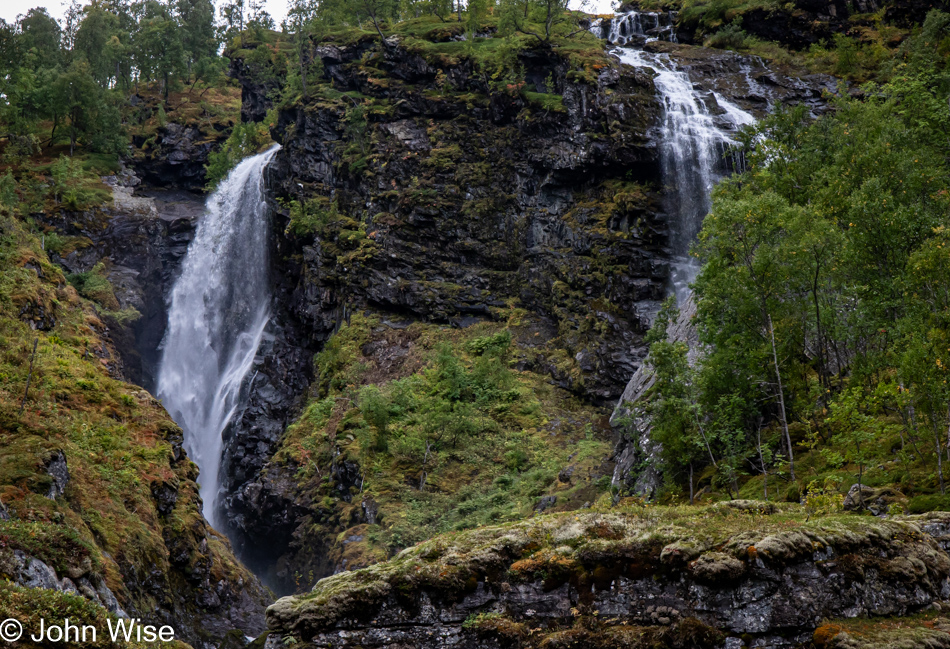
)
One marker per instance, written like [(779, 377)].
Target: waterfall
[(218, 309), (695, 135)]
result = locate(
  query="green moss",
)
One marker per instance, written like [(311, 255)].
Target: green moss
[(59, 546), (546, 101)]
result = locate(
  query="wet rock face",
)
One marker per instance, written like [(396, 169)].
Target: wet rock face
[(748, 81), (256, 89), (58, 472), (496, 211), (260, 510)]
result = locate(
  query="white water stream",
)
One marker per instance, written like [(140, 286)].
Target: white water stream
[(694, 139), (218, 310)]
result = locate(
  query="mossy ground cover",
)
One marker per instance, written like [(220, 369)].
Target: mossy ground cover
[(930, 630), (31, 605), (585, 548), (446, 432), (211, 108)]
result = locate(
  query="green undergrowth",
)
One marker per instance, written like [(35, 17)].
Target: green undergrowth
[(929, 630), (797, 267), (445, 433), (245, 140), (493, 59)]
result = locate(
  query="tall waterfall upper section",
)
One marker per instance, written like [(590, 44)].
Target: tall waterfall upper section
[(697, 129), (218, 310), (707, 96)]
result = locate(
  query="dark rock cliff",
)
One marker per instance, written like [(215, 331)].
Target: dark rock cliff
[(461, 199), (140, 238), (426, 191)]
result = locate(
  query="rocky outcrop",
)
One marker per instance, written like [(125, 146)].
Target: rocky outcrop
[(259, 82), (140, 238), (30, 572), (496, 210), (588, 576), (638, 465), (176, 157), (750, 82)]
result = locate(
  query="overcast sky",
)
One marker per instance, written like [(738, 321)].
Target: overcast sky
[(10, 9)]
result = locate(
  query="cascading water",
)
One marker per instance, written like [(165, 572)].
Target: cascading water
[(219, 308), (695, 135)]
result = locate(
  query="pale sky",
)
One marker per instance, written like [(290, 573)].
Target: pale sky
[(10, 9)]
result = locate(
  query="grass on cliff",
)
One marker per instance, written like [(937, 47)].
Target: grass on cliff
[(444, 432), (211, 108), (927, 630), (31, 605)]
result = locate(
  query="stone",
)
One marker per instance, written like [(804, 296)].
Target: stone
[(57, 469), (545, 503), (33, 573), (878, 501)]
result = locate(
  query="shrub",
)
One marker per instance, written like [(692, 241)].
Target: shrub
[(929, 503), (74, 187), (94, 285), (730, 37), (245, 140)]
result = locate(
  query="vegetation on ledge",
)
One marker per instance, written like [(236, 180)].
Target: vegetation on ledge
[(432, 429)]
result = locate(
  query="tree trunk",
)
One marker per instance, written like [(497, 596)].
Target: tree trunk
[(690, 483), (943, 489), (948, 434), (303, 69), (860, 479), (822, 370), (781, 402)]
